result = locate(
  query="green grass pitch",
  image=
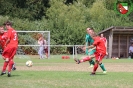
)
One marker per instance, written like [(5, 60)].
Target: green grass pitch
[(59, 73)]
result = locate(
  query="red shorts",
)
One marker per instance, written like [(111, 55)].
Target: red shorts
[(9, 52), (99, 56)]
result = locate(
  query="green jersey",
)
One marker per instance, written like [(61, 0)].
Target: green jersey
[(89, 41)]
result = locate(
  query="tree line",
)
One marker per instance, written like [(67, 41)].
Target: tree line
[(67, 20)]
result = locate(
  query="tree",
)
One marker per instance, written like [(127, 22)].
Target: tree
[(67, 22), (24, 9)]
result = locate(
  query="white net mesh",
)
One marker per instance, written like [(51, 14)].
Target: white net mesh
[(28, 46), (28, 42)]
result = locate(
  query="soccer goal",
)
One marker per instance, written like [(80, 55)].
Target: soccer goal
[(28, 43), (28, 46), (79, 51)]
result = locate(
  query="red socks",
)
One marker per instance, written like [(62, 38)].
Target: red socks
[(95, 67), (10, 65), (4, 66)]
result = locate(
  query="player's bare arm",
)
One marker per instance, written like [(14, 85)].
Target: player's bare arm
[(92, 49), (91, 46)]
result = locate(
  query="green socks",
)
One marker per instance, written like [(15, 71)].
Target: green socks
[(92, 62), (102, 66)]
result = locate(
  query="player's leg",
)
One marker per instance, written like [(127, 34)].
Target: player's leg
[(131, 55), (6, 61), (4, 68), (10, 67), (99, 57), (11, 56), (46, 52), (101, 64), (84, 59), (95, 67), (92, 60), (102, 67), (40, 52)]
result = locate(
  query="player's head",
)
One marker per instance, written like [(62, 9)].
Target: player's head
[(101, 35), (93, 35), (89, 30), (1, 30), (7, 24)]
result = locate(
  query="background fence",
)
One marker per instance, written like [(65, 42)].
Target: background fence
[(56, 51)]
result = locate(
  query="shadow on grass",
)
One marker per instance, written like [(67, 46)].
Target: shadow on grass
[(102, 74), (14, 75)]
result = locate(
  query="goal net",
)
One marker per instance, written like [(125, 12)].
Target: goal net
[(28, 46), (28, 43), (79, 51)]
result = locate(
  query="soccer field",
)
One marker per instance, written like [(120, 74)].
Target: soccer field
[(59, 73)]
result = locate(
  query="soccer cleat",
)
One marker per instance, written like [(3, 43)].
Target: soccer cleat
[(9, 74), (2, 73), (104, 72), (91, 66), (77, 61), (13, 67), (92, 73)]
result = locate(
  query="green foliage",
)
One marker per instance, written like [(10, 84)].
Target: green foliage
[(68, 22), (24, 9), (88, 3), (3, 19), (65, 19)]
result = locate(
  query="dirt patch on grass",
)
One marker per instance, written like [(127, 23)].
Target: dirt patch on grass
[(111, 67)]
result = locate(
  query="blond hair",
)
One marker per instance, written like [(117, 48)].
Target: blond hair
[(93, 34)]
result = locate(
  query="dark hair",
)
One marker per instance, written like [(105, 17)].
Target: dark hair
[(8, 23)]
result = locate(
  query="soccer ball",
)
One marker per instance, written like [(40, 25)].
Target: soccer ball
[(29, 63)]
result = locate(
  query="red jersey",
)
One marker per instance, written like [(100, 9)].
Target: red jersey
[(100, 45), (12, 35), (104, 39), (3, 38)]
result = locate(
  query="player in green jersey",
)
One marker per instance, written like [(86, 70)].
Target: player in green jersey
[(89, 41)]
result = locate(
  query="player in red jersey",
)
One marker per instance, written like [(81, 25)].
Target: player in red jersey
[(98, 55), (3, 37), (105, 42), (10, 49)]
